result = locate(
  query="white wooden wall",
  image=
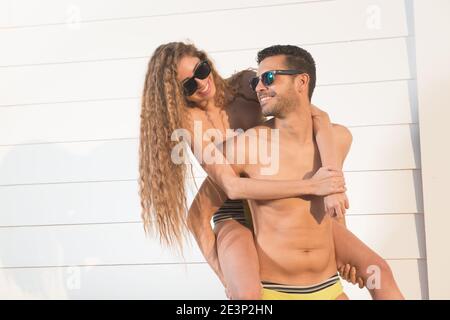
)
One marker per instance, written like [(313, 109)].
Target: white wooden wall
[(433, 81), (71, 74)]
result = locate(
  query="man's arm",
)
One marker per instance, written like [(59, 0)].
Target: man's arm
[(207, 201)]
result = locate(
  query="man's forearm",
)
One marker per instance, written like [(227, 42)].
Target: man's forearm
[(207, 201), (206, 240)]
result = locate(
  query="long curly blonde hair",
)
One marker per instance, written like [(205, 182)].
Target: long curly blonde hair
[(163, 110)]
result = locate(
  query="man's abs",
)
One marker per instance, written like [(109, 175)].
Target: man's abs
[(294, 248)]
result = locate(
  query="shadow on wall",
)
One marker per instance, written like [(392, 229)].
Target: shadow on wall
[(412, 87)]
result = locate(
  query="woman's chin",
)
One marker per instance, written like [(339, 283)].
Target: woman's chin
[(202, 100)]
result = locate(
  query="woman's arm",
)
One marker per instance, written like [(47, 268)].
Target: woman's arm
[(324, 136), (333, 142), (227, 176)]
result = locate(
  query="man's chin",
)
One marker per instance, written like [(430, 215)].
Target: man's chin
[(267, 110), (265, 107)]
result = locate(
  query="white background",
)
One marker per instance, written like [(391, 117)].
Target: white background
[(71, 74)]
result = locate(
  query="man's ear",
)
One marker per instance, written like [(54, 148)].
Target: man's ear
[(302, 82)]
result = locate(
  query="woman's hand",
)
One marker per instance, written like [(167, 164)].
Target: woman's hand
[(326, 181)]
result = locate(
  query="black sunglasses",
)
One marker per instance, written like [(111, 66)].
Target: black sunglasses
[(201, 71), (268, 77)]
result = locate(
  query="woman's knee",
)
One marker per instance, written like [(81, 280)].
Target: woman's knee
[(381, 267), (387, 276), (380, 275)]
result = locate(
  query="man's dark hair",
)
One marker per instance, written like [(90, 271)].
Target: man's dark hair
[(296, 58)]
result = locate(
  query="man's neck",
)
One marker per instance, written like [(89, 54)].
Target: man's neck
[(297, 123)]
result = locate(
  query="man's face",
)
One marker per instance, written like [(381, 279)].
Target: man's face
[(279, 97)]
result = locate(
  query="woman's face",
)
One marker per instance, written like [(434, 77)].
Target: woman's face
[(206, 88)]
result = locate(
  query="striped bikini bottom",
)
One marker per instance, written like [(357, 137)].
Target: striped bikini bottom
[(234, 210)]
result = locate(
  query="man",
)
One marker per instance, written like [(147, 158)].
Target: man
[(294, 236)]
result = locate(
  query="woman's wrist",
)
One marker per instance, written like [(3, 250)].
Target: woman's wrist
[(306, 187)]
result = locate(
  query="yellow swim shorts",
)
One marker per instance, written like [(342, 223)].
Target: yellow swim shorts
[(329, 289)]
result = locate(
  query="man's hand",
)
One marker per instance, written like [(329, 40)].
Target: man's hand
[(336, 204), (348, 273)]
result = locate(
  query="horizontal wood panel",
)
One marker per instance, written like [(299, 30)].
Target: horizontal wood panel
[(27, 13), (362, 104), (64, 162), (384, 147), (179, 281), (89, 120), (70, 203), (108, 39), (374, 148), (377, 60), (160, 282), (102, 244), (337, 63), (379, 192), (350, 105), (392, 236), (382, 192)]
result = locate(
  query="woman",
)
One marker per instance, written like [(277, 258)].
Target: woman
[(183, 89)]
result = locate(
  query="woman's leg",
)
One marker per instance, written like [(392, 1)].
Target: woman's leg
[(351, 250), (238, 260)]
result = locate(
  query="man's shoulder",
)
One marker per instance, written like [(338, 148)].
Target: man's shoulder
[(265, 126), (241, 138)]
